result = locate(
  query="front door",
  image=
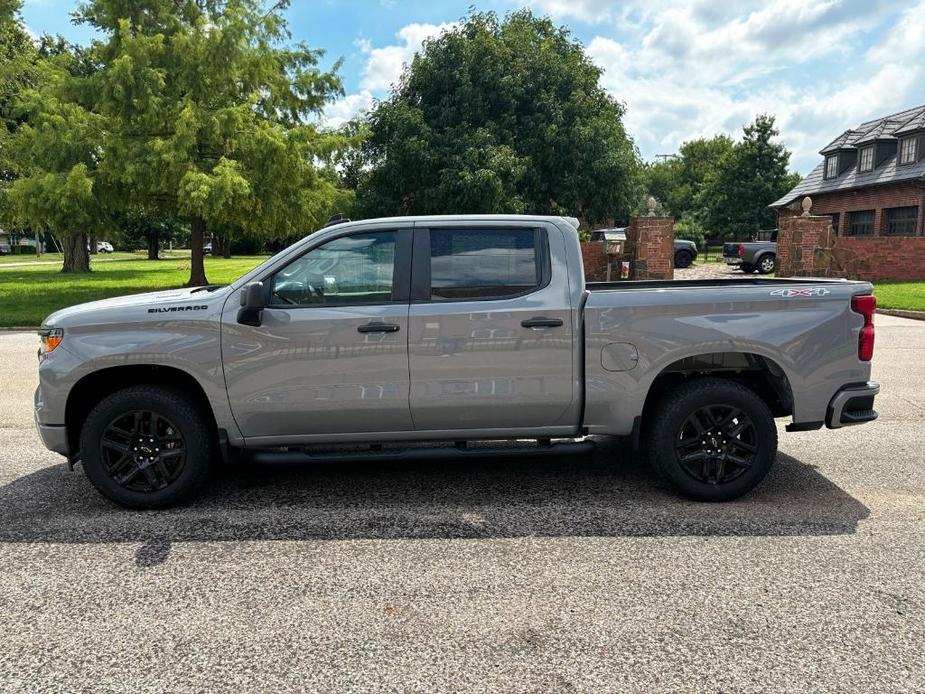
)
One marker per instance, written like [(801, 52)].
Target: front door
[(331, 354), (490, 329)]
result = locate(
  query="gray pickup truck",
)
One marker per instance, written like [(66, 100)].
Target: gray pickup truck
[(388, 335), (760, 254)]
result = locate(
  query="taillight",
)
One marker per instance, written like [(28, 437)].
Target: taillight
[(741, 250), (865, 305)]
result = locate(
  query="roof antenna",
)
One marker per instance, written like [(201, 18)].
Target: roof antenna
[(335, 219)]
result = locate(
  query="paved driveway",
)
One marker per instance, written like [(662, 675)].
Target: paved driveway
[(566, 575)]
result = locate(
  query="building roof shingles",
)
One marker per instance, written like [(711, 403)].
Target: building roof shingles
[(887, 127)]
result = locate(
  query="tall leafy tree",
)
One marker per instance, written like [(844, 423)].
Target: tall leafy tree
[(678, 181), (17, 73), (195, 109), (500, 116), (752, 175), (206, 102), (57, 153)]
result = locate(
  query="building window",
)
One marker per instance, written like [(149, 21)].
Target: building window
[(900, 221), (907, 150), (835, 219), (831, 166), (860, 223), (866, 161)]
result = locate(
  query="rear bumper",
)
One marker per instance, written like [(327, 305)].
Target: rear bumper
[(733, 261), (852, 405)]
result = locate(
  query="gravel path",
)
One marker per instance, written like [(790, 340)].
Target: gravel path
[(568, 574)]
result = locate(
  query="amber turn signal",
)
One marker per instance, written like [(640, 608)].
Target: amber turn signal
[(51, 338)]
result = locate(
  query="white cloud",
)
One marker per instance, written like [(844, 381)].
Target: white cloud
[(384, 65), (343, 110), (701, 67), (591, 11)]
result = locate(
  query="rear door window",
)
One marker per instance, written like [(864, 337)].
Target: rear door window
[(484, 263)]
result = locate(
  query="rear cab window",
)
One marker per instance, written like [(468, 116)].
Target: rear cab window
[(485, 263)]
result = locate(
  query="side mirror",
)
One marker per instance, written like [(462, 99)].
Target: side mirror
[(253, 300)]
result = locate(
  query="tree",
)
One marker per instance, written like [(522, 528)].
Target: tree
[(678, 181), (206, 105), (56, 153), (751, 176), (17, 73), (500, 116)]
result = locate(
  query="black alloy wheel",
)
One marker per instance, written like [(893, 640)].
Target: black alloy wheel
[(711, 438), (142, 451), (148, 446), (716, 444)]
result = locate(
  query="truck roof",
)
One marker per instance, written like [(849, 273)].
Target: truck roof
[(555, 219)]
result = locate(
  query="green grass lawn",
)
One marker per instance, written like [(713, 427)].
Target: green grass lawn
[(28, 294), (118, 255), (909, 296)]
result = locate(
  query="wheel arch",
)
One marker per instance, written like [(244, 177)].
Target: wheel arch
[(759, 373), (93, 387)]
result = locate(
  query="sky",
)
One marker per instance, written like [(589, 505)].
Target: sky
[(683, 69)]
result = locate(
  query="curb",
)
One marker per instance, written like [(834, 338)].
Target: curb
[(899, 313)]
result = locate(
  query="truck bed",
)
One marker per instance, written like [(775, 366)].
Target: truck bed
[(712, 282)]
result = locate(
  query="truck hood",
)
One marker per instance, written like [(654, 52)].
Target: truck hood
[(175, 303)]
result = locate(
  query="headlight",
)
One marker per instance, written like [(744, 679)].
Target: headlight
[(51, 338)]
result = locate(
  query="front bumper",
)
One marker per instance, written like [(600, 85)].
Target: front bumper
[(54, 438), (852, 405)]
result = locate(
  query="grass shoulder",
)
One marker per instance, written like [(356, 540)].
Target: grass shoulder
[(28, 293)]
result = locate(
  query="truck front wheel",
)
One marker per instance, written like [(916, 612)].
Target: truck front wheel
[(712, 439), (147, 446)]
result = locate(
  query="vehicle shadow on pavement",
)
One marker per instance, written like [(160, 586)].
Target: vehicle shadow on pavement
[(610, 494)]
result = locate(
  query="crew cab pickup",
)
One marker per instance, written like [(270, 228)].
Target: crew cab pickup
[(391, 334)]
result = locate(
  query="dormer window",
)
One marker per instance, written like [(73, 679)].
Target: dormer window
[(831, 166), (907, 150), (866, 159)]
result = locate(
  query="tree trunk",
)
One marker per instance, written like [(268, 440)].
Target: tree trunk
[(38, 245), (153, 245), (76, 258), (197, 270), (226, 246), (93, 249), (216, 245)]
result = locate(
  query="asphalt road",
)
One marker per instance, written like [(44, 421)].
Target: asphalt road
[(567, 574)]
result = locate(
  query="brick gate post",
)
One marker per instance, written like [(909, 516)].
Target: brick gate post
[(807, 246), (650, 248)]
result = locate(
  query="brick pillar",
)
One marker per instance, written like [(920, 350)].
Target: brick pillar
[(649, 248), (808, 247)]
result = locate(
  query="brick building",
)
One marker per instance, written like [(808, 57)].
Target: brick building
[(871, 182)]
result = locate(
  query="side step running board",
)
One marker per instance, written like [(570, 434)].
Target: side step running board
[(423, 453)]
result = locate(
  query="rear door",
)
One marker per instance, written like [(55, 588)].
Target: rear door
[(490, 328)]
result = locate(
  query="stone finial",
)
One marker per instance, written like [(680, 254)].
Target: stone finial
[(651, 203), (807, 205)]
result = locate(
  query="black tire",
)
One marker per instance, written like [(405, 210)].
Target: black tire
[(130, 418), (747, 268), (767, 264), (683, 259), (713, 476)]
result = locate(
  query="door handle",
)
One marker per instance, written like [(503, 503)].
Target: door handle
[(541, 322), (378, 328)]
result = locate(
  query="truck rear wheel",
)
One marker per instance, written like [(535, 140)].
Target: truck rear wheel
[(147, 446), (712, 439), (767, 263)]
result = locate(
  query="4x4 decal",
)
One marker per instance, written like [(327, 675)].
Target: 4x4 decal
[(801, 291)]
